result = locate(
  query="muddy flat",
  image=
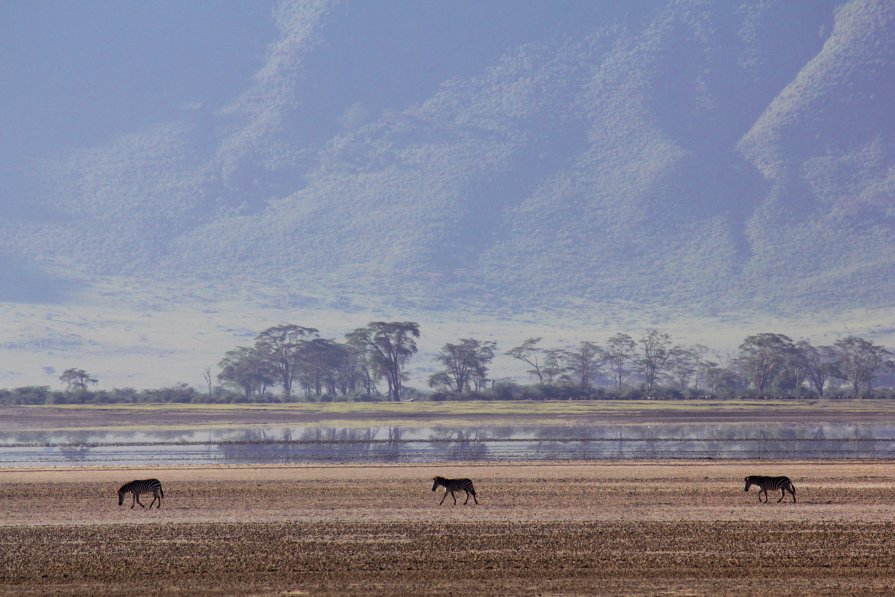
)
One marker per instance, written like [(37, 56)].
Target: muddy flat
[(609, 528)]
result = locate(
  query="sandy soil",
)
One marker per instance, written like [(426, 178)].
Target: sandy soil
[(608, 528)]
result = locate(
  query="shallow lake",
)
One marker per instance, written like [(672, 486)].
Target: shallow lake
[(321, 444)]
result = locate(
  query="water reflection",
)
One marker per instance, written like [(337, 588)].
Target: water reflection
[(286, 445)]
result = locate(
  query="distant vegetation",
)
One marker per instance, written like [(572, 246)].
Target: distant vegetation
[(700, 155), (291, 363)]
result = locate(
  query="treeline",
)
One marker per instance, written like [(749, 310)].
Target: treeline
[(766, 365), (293, 363), (43, 395)]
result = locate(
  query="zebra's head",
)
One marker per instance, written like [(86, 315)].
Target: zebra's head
[(121, 495), (749, 482), (438, 481)]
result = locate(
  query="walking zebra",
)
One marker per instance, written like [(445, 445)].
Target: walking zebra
[(775, 483), (452, 485), (142, 486)]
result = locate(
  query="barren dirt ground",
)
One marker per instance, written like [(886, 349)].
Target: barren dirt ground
[(608, 528)]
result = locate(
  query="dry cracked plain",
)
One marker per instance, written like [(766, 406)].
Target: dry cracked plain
[(604, 528)]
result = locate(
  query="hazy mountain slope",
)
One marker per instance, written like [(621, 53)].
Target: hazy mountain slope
[(825, 144), (681, 153)]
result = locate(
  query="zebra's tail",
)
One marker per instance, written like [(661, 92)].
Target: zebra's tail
[(161, 491)]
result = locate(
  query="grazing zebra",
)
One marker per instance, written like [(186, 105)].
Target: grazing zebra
[(775, 483), (452, 485), (142, 486)]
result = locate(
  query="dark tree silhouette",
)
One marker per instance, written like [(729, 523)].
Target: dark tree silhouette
[(655, 351), (246, 368), (466, 364), (618, 355), (861, 361), (389, 346), (76, 380), (528, 352), (281, 346), (762, 356)]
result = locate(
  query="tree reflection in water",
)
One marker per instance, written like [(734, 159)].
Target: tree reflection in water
[(394, 446), (74, 447), (284, 445), (461, 444)]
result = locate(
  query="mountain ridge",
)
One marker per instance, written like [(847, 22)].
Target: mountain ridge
[(700, 154)]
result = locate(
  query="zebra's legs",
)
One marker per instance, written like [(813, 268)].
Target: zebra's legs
[(442, 499), (782, 494), (134, 500), (455, 497), (467, 497), (155, 497), (137, 497)]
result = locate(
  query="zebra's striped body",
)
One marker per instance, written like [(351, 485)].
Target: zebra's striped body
[(137, 487), (452, 485), (775, 483)]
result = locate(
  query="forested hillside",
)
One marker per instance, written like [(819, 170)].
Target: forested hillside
[(696, 154)]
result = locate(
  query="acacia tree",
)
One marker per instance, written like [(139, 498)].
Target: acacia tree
[(248, 369), (556, 365), (584, 362), (762, 356), (441, 380), (794, 374), (528, 352), (821, 364), (618, 355), (466, 364), (483, 355), (654, 355), (722, 379), (699, 353), (280, 345), (358, 371), (206, 375), (76, 380), (317, 365), (389, 346), (861, 361), (682, 365), (353, 377)]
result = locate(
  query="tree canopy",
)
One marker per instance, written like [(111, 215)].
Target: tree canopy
[(389, 346)]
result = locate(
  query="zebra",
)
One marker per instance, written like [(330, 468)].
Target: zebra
[(775, 483), (452, 485), (142, 486)]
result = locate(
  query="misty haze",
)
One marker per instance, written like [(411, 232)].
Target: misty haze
[(178, 176), (447, 297)]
